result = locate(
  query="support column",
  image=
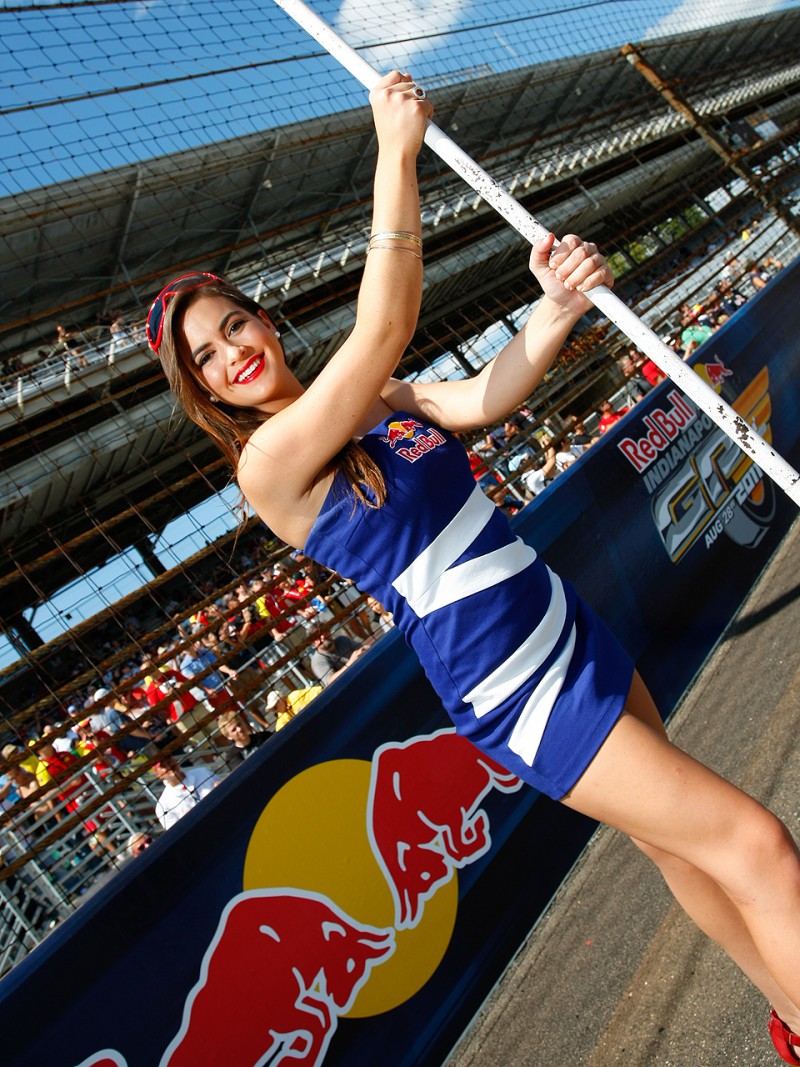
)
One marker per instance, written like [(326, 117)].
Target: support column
[(709, 211), (463, 362), (150, 559), (21, 634), (733, 159)]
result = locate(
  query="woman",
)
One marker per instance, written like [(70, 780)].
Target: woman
[(359, 472)]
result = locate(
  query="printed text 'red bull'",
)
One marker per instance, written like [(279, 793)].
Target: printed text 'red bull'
[(422, 443), (663, 426)]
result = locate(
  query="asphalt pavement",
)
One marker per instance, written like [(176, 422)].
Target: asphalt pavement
[(614, 973)]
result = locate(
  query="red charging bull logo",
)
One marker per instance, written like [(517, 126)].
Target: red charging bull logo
[(715, 372), (284, 965), (400, 430), (349, 903), (423, 817)]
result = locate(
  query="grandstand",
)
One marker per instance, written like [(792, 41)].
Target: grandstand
[(674, 156)]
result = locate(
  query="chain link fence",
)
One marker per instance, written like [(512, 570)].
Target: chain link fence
[(141, 140)]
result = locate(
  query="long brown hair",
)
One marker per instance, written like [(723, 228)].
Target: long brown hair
[(230, 427)]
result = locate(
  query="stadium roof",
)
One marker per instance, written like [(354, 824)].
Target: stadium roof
[(584, 143), (299, 195)]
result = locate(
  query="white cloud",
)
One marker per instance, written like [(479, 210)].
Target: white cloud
[(697, 14), (142, 9), (358, 23)]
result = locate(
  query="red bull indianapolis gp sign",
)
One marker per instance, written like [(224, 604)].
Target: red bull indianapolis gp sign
[(701, 485)]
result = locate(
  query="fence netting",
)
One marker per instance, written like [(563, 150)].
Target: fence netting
[(150, 627)]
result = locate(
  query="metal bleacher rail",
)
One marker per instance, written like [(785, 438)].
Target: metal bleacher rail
[(60, 869)]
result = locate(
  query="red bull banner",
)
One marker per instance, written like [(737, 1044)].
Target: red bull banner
[(351, 893), (668, 525), (326, 894)]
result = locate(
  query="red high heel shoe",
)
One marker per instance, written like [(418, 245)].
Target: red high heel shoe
[(783, 1039)]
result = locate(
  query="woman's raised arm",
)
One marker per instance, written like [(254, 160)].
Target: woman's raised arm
[(299, 441), (565, 274)]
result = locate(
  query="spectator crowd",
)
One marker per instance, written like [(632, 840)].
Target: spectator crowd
[(184, 714), (185, 710)]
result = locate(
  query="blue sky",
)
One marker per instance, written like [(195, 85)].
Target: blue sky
[(97, 86), (88, 88)]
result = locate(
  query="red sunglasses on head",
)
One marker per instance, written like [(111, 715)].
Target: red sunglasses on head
[(158, 309)]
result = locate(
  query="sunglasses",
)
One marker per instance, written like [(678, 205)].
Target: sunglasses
[(155, 316)]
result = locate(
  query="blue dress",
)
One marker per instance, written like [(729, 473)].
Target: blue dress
[(523, 666)]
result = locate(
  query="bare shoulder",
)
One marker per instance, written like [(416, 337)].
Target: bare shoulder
[(257, 469), (281, 497), (270, 472)]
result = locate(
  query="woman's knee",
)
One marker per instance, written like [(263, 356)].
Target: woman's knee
[(765, 851), (764, 835), (754, 845)]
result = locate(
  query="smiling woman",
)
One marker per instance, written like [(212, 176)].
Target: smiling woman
[(237, 354), (225, 349), (225, 363), (523, 666)]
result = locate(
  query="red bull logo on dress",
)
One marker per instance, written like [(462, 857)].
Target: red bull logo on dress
[(349, 903), (700, 483), (420, 443), (401, 430)]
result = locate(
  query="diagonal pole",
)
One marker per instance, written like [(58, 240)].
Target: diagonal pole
[(718, 410)]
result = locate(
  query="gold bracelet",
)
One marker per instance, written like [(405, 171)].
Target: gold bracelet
[(400, 235), (389, 248)]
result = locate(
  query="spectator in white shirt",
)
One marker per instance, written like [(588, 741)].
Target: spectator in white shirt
[(183, 789)]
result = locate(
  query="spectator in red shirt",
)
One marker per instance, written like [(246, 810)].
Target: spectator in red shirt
[(298, 589), (608, 416), (651, 372), (183, 708), (72, 789), (109, 757), (161, 683), (646, 367), (273, 605)]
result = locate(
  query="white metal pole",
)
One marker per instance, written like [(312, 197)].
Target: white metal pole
[(781, 472)]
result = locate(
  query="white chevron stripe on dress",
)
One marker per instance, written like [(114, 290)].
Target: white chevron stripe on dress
[(529, 728), (414, 582), (473, 576), (524, 660)]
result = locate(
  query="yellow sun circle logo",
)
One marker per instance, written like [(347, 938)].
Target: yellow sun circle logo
[(313, 835)]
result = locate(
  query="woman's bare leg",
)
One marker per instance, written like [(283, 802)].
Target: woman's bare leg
[(729, 862), (717, 917)]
